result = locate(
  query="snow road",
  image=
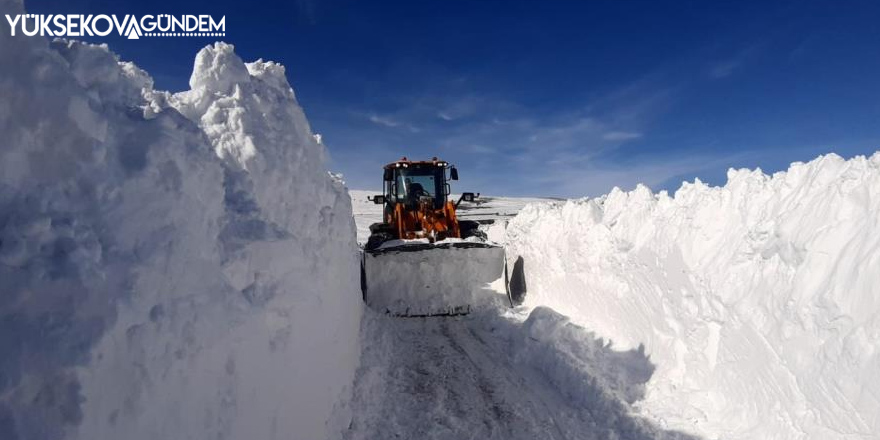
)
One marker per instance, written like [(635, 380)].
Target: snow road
[(493, 374), (473, 378)]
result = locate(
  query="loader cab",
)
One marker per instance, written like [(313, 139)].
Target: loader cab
[(407, 182)]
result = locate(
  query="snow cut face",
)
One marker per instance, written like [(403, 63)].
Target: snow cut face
[(757, 301), (172, 266)]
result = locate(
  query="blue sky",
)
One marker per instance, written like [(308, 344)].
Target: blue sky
[(554, 98)]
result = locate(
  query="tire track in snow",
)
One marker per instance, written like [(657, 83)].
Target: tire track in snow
[(440, 383), (461, 378), (500, 380), (437, 384)]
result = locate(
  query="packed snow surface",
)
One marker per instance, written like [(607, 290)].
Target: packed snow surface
[(494, 375), (758, 302), (171, 266)]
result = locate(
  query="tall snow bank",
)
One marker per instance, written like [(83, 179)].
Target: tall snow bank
[(171, 266), (757, 301)]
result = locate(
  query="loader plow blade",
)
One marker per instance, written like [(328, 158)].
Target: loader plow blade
[(439, 279)]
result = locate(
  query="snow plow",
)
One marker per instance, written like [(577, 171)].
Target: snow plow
[(421, 260)]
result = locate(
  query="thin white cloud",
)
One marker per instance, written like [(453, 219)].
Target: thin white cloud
[(724, 68), (727, 67), (621, 135), (445, 116), (391, 122), (482, 149), (458, 107), (383, 120)]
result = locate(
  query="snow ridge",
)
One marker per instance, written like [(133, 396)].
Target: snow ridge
[(757, 301), (172, 266)]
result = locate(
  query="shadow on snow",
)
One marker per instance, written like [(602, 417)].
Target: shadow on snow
[(489, 375)]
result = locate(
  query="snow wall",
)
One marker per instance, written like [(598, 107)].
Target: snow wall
[(759, 301), (171, 266)]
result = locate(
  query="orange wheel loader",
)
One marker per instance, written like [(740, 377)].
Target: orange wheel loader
[(421, 260)]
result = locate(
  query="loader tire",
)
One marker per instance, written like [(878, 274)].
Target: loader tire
[(380, 227), (376, 240), (517, 284), (470, 228), (363, 282)]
